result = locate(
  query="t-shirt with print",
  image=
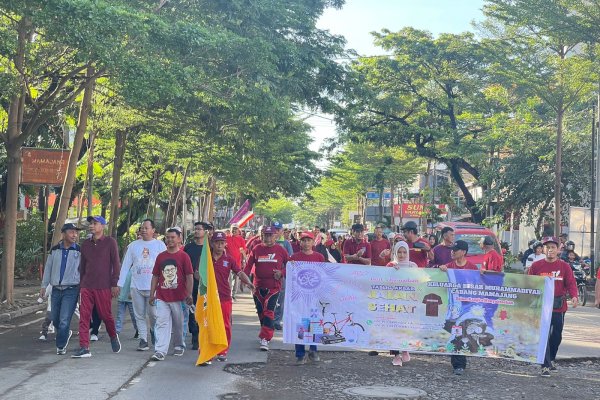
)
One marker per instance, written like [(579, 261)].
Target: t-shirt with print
[(223, 266), (172, 270), (315, 256), (432, 302), (264, 260), (351, 248), (377, 246), (418, 256), (139, 258)]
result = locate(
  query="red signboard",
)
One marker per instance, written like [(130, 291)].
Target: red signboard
[(44, 166), (416, 210)]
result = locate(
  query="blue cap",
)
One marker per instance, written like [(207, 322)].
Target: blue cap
[(96, 218), (277, 225)]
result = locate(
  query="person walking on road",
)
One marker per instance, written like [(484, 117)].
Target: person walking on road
[(225, 265), (172, 283), (459, 261), (139, 262), (99, 270), (356, 249), (194, 250), (61, 273), (442, 253), (564, 283), (306, 253), (492, 261), (380, 248), (267, 262), (420, 250), (236, 248)]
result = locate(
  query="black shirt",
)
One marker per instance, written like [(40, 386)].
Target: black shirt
[(194, 251)]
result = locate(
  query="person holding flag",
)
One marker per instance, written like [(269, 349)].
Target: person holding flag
[(224, 264), (172, 283)]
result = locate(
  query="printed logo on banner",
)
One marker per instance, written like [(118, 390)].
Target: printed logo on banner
[(309, 278)]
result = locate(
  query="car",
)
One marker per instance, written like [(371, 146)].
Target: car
[(338, 231), (472, 234)]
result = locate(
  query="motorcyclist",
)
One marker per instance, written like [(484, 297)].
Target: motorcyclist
[(528, 252), (569, 247)]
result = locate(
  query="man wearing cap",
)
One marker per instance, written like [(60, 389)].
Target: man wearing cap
[(99, 270), (459, 261), (139, 259), (356, 250), (61, 272), (419, 248), (442, 253), (172, 284), (492, 261), (564, 283), (280, 240), (306, 253), (380, 248), (267, 261), (224, 265)]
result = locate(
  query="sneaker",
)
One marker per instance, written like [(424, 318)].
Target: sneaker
[(115, 344), (93, 338), (61, 352), (178, 351), (553, 366), (158, 356), (51, 328), (459, 371), (314, 356), (206, 363), (546, 372), (82, 352), (300, 360), (137, 335), (397, 361), (264, 344), (143, 346), (43, 337), (405, 356), (373, 353), (222, 358)]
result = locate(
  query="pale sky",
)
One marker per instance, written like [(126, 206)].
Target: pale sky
[(358, 18)]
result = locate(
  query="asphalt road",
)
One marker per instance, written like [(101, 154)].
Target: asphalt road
[(30, 369)]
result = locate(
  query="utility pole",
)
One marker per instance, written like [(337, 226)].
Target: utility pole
[(593, 175)]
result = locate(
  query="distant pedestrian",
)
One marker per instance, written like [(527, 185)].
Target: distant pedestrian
[(537, 254), (236, 248), (380, 248), (61, 272), (99, 269), (492, 261), (172, 284)]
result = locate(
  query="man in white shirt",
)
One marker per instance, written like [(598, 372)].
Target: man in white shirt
[(141, 255)]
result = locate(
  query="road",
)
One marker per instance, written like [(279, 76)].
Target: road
[(31, 370)]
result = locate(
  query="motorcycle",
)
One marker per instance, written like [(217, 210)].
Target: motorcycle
[(581, 273)]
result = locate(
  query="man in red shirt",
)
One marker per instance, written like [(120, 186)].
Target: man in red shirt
[(356, 249), (380, 248), (99, 273), (492, 261), (459, 261), (172, 284), (267, 262), (564, 283), (224, 265), (236, 248), (420, 250)]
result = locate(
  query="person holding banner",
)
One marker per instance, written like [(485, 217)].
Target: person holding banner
[(267, 261), (400, 260), (420, 250), (564, 283), (356, 250), (306, 253), (492, 261)]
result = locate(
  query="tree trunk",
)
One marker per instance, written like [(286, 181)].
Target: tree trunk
[(470, 202), (120, 143), (211, 199), (558, 170), (65, 196), (90, 174)]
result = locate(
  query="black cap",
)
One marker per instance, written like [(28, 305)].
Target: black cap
[(410, 226), (487, 241), (66, 227), (460, 245), (358, 228), (445, 230)]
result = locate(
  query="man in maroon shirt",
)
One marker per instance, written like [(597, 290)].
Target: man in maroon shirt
[(564, 283), (492, 261), (236, 248), (459, 261), (356, 249), (224, 264), (380, 248), (420, 250), (99, 271), (268, 261), (442, 253)]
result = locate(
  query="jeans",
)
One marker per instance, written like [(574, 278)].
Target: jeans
[(301, 349), (169, 318), (62, 309), (554, 338), (123, 306)]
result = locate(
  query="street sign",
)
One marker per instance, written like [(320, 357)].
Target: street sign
[(416, 210), (44, 166), (372, 195)]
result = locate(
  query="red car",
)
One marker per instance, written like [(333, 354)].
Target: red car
[(472, 234)]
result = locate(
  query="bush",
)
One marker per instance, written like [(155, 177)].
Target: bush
[(30, 247)]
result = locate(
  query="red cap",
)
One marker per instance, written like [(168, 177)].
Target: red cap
[(305, 235)]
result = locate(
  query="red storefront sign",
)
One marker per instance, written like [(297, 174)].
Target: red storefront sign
[(416, 210), (44, 166)]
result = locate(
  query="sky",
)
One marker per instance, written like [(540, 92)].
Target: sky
[(358, 18)]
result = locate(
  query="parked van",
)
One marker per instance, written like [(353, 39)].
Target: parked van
[(472, 234)]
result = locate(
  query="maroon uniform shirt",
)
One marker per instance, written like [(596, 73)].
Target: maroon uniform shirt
[(351, 247), (264, 260)]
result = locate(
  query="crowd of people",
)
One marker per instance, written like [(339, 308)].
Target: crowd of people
[(158, 280)]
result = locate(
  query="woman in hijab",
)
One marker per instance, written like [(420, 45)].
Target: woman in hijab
[(400, 260)]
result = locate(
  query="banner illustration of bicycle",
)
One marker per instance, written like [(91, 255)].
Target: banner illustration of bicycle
[(419, 310)]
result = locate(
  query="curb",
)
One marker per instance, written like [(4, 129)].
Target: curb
[(9, 316)]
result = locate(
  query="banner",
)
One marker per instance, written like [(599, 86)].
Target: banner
[(423, 310)]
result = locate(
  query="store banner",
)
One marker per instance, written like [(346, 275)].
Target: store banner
[(422, 310)]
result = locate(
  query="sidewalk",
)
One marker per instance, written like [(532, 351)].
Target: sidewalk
[(26, 293)]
